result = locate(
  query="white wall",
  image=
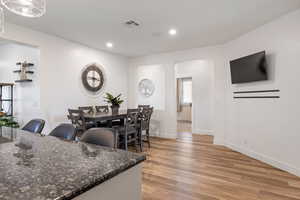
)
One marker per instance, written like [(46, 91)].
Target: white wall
[(167, 117), (155, 73), (268, 129), (26, 95), (202, 74), (60, 65)]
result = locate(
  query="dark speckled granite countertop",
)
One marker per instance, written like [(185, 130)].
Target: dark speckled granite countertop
[(45, 168)]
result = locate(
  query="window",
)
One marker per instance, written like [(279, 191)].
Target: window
[(186, 91)]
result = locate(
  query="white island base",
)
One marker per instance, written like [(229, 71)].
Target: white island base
[(126, 186)]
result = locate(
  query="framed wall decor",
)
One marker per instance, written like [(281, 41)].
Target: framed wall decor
[(92, 78), (146, 87)]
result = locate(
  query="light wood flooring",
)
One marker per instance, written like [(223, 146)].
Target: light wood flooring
[(192, 168)]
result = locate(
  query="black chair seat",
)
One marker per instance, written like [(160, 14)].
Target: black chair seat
[(100, 136), (64, 131), (35, 126)]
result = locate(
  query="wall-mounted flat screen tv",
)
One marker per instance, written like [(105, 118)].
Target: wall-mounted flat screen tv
[(249, 69)]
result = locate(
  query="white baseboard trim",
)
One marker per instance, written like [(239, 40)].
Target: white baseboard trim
[(265, 159)]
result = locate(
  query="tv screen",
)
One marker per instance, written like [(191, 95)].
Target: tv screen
[(249, 69)]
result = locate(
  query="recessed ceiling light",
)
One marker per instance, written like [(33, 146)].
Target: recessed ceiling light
[(109, 45), (172, 32)]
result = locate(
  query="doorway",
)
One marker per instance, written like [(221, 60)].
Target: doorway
[(195, 97), (184, 104)]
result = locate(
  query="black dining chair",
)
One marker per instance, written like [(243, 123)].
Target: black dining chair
[(101, 136), (128, 134), (64, 131), (34, 126), (77, 119), (102, 110), (145, 118), (87, 109)]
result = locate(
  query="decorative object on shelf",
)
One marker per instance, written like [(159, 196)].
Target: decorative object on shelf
[(8, 122), (24, 71), (92, 78), (6, 99), (115, 102), (26, 8), (146, 87), (1, 20)]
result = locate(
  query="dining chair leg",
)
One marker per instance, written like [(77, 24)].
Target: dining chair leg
[(141, 140), (148, 137), (136, 142), (125, 142), (109, 123)]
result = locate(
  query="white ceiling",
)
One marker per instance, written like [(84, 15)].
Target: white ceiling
[(199, 22)]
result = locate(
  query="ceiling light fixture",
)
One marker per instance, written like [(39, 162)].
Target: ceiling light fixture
[(109, 45), (1, 20), (26, 8), (172, 32)]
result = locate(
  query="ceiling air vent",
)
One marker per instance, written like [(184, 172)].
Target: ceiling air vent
[(132, 23)]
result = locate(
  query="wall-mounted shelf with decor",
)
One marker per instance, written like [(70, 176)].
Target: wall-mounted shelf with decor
[(26, 64), (27, 72), (23, 71), (22, 81)]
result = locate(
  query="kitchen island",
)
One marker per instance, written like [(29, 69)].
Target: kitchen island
[(34, 167)]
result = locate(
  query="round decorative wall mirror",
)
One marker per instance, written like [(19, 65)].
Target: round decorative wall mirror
[(146, 87), (92, 78)]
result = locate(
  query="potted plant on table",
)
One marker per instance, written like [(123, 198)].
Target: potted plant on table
[(115, 102)]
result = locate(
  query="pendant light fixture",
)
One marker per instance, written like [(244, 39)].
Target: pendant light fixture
[(1, 20), (26, 8)]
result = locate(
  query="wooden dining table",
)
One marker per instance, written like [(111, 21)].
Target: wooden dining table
[(109, 116)]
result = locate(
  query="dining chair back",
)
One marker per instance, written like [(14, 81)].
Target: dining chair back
[(35, 126), (101, 109), (64, 131), (146, 117), (130, 133), (87, 109), (132, 118), (142, 107), (77, 119), (100, 136)]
